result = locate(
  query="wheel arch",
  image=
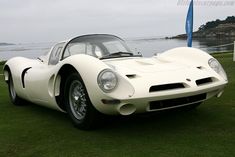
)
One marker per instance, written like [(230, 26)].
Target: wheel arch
[(6, 72), (61, 77)]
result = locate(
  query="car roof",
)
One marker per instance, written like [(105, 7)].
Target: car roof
[(87, 35)]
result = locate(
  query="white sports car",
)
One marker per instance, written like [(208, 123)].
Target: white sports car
[(94, 74)]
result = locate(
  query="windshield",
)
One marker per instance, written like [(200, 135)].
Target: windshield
[(100, 46)]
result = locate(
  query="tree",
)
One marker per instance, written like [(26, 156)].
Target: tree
[(230, 19), (213, 24)]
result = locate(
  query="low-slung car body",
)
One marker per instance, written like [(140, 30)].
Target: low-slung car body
[(94, 74)]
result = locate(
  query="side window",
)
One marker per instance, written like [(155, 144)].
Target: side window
[(55, 54)]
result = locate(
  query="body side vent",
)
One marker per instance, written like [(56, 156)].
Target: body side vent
[(23, 75)]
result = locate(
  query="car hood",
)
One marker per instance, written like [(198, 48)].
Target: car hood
[(143, 65), (143, 73)]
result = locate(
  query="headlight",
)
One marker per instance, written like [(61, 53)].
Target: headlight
[(216, 66), (107, 80)]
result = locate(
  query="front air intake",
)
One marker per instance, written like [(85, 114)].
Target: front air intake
[(164, 87), (156, 105), (204, 81)]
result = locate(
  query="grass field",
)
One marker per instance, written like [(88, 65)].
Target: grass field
[(208, 131)]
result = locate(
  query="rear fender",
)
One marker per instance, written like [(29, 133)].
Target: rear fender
[(15, 68)]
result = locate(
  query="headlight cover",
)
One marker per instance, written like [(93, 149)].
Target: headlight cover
[(107, 80), (216, 66)]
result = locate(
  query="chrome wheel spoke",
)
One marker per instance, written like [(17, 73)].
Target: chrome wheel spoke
[(77, 99)]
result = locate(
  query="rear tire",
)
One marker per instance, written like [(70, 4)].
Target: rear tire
[(15, 99), (78, 105)]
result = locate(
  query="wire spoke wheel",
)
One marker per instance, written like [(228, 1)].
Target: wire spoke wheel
[(78, 104), (77, 99)]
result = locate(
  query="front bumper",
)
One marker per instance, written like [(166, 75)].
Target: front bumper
[(142, 102)]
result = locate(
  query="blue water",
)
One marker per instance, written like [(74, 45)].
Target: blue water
[(148, 47)]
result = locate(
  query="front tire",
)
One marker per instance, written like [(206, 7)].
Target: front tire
[(78, 104)]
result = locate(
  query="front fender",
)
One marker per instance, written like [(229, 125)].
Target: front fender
[(89, 68), (187, 56)]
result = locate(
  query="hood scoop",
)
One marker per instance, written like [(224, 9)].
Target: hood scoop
[(143, 65), (146, 62), (131, 76)]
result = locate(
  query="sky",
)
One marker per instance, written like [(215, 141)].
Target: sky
[(29, 21)]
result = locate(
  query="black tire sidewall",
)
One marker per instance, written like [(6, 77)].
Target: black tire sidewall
[(15, 100)]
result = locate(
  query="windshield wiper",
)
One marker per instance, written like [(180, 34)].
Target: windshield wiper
[(117, 54)]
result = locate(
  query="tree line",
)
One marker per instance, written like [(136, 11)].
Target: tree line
[(213, 24)]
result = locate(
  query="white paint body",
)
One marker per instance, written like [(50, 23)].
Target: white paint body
[(180, 65)]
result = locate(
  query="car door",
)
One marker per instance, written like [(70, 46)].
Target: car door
[(39, 79)]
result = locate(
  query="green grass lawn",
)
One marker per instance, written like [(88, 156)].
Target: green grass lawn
[(208, 131)]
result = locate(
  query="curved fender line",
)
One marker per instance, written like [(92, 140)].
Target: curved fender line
[(23, 75)]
